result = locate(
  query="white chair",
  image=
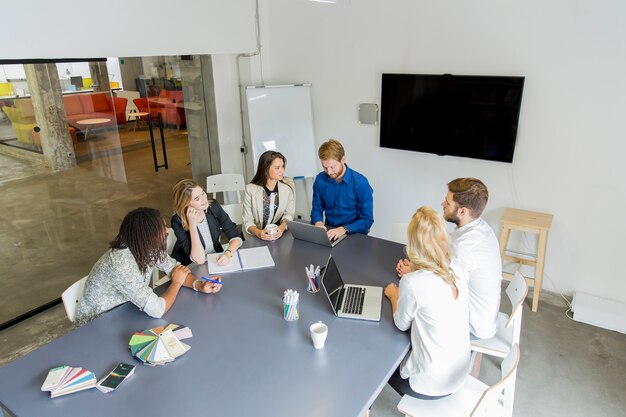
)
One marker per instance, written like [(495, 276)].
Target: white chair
[(130, 96), (171, 240), (72, 296), (473, 399), (228, 183), (509, 326), (398, 232)]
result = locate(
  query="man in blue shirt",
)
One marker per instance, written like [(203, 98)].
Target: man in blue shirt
[(341, 194)]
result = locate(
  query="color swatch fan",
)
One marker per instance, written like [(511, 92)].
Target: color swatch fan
[(67, 379), (160, 345)]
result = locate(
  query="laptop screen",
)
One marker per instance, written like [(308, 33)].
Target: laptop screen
[(332, 282)]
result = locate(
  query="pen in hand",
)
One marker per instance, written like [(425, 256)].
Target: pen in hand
[(214, 281)]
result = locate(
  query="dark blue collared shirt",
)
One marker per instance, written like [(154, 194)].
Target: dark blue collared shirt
[(349, 203)]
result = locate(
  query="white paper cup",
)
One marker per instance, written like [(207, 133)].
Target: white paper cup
[(319, 331), (271, 229)]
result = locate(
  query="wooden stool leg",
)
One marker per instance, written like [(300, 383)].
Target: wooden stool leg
[(541, 257), (504, 239)]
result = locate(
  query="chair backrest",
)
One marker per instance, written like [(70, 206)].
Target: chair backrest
[(171, 240), (130, 95), (223, 183), (141, 104), (169, 247), (398, 232), (500, 395), (517, 291), (235, 212), (72, 296)]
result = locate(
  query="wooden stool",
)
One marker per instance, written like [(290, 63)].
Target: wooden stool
[(531, 222)]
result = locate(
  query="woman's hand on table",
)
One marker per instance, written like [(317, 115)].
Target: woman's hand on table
[(209, 287), (266, 235), (225, 258), (179, 274), (403, 267), (391, 291)]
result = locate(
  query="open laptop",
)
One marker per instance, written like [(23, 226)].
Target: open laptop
[(310, 233), (361, 302)]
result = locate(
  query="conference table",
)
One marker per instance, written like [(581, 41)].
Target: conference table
[(245, 359)]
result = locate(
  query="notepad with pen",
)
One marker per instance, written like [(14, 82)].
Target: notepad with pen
[(242, 260)]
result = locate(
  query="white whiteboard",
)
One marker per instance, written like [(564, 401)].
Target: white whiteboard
[(281, 119)]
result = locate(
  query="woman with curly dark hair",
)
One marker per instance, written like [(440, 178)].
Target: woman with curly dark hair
[(123, 273)]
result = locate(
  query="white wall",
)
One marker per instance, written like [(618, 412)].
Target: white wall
[(568, 159), (71, 29)]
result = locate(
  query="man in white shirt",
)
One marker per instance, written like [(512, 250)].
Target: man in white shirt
[(476, 251)]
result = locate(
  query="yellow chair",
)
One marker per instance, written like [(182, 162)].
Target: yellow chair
[(22, 126)]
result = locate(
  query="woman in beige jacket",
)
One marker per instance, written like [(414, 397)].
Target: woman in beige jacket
[(269, 199)]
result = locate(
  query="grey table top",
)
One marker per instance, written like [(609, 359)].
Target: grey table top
[(245, 359)]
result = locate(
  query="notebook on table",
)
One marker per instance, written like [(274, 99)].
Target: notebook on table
[(361, 302), (311, 233), (242, 260)]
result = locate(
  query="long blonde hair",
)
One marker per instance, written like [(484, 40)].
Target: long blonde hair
[(428, 246), (181, 198)]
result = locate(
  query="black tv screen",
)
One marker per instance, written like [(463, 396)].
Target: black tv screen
[(459, 115)]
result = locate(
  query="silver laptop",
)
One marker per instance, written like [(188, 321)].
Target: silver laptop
[(361, 302), (310, 233)]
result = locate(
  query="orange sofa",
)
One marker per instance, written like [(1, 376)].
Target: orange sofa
[(94, 106), (77, 107)]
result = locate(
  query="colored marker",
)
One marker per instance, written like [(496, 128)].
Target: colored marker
[(214, 281)]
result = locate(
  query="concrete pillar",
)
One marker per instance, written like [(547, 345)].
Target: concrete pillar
[(99, 76), (47, 100), (204, 149)]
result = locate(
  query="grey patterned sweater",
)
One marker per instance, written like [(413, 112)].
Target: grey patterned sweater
[(116, 279)]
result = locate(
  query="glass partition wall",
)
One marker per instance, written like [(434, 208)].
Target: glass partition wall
[(76, 155)]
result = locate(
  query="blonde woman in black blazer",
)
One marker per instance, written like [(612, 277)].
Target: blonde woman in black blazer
[(198, 223)]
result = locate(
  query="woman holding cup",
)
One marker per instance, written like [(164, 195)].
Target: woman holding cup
[(270, 198)]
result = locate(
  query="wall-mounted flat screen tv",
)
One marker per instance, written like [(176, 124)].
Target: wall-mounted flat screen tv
[(459, 115)]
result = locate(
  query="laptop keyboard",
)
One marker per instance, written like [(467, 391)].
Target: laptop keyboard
[(354, 300)]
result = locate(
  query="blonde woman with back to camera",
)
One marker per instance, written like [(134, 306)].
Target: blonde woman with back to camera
[(433, 303)]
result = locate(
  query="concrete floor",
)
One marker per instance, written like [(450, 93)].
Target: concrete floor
[(567, 368)]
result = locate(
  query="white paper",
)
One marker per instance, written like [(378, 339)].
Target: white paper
[(214, 268), (252, 258)]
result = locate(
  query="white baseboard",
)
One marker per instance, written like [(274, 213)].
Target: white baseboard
[(599, 312)]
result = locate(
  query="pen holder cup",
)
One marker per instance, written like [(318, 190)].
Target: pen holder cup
[(291, 312), (312, 286)]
